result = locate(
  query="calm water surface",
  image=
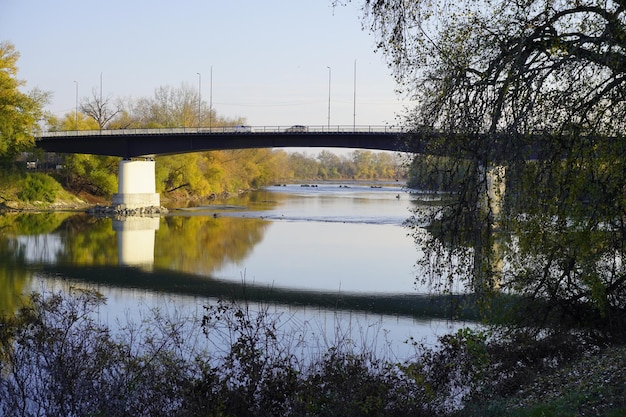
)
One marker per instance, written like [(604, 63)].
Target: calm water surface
[(332, 239), (297, 250)]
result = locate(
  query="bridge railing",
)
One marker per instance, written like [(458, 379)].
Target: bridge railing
[(229, 129)]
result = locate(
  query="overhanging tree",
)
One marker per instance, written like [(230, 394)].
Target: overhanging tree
[(536, 87)]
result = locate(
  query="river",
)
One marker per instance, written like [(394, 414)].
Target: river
[(334, 258)]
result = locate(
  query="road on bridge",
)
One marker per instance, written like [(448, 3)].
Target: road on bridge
[(128, 143)]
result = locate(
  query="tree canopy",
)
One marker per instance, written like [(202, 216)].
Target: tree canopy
[(517, 67), (529, 97), (19, 112)]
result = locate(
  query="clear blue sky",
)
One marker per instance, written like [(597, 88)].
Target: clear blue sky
[(269, 58)]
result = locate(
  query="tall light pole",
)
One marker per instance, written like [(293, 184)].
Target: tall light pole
[(199, 96), (354, 101), (76, 106), (329, 72), (211, 99), (101, 107)]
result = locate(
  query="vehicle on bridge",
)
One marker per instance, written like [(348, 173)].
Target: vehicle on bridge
[(297, 129)]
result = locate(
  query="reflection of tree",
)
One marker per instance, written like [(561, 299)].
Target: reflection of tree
[(88, 241), (14, 277), (199, 244), (196, 244), (31, 223)]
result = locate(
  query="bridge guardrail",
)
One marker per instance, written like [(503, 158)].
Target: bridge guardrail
[(228, 129)]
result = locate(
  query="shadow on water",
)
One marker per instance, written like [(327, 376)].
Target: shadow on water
[(457, 307)]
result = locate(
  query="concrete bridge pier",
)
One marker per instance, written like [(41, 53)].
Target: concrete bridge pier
[(136, 186)]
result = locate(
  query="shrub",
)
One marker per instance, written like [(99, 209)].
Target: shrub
[(56, 358), (39, 187)]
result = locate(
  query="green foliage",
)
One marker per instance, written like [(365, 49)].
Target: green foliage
[(91, 173), (359, 165), (71, 122), (19, 111), (39, 187), (591, 384)]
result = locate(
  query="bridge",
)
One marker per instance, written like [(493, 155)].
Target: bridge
[(137, 147), (132, 143)]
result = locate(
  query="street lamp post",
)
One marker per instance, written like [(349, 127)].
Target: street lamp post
[(101, 107), (76, 105), (211, 99), (329, 72), (354, 101), (199, 96)]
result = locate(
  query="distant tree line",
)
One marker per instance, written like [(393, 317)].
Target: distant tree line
[(357, 165)]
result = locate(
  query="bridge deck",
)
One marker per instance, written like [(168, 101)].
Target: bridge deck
[(129, 143)]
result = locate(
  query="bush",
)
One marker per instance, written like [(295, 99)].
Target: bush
[(57, 359), (39, 187)]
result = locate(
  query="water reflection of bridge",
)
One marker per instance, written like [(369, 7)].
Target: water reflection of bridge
[(418, 306)]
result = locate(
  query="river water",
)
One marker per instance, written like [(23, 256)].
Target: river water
[(334, 258)]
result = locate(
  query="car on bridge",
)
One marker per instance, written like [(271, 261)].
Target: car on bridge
[(297, 129), (243, 129)]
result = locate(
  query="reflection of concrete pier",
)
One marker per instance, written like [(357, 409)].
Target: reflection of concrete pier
[(135, 240), (494, 180)]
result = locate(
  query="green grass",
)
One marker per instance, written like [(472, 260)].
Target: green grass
[(33, 191)]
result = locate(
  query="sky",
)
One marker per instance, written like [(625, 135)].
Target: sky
[(272, 62)]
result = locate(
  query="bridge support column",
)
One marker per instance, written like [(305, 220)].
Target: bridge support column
[(136, 184)]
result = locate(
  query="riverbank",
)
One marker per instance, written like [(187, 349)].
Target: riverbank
[(40, 193), (593, 385), (68, 202)]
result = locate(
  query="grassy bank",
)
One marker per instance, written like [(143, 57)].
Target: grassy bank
[(37, 192)]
